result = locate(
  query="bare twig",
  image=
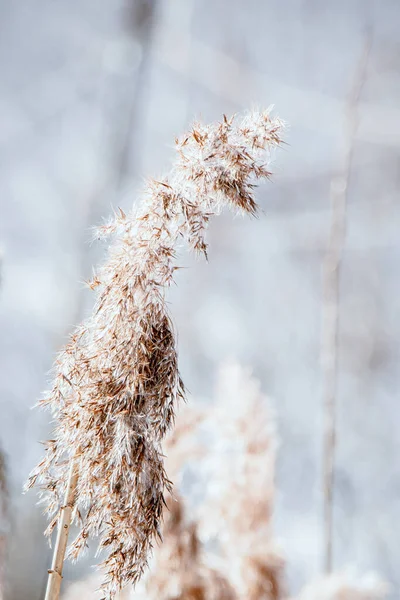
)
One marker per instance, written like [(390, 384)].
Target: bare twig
[(3, 520), (4, 509), (331, 291)]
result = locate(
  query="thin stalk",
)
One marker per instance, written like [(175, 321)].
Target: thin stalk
[(330, 355), (64, 522), (331, 299)]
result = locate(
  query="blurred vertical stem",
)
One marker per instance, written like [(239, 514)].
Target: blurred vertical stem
[(4, 508), (64, 522), (3, 520), (331, 297)]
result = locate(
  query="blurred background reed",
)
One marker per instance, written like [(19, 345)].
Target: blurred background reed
[(92, 95)]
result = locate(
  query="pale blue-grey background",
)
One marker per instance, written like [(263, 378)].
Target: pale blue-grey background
[(92, 94)]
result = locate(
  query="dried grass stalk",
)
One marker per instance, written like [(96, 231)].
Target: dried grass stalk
[(4, 501), (331, 292), (116, 382), (179, 570), (64, 522), (4, 517)]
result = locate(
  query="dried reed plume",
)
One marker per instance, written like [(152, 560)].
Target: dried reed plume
[(179, 569), (116, 382)]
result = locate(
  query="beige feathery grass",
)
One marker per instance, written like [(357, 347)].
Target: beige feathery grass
[(117, 381), (331, 305), (232, 447), (252, 435)]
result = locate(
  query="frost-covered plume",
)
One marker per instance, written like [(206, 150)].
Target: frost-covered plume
[(116, 382)]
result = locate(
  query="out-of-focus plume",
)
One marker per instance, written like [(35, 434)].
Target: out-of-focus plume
[(233, 445), (239, 506)]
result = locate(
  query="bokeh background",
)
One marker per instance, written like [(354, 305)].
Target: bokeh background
[(92, 95)]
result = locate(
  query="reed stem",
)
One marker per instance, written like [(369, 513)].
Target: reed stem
[(331, 299), (64, 522)]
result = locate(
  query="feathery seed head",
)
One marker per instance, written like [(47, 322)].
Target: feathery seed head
[(116, 382)]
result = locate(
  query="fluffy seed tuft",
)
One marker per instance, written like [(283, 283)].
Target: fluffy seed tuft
[(116, 382)]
